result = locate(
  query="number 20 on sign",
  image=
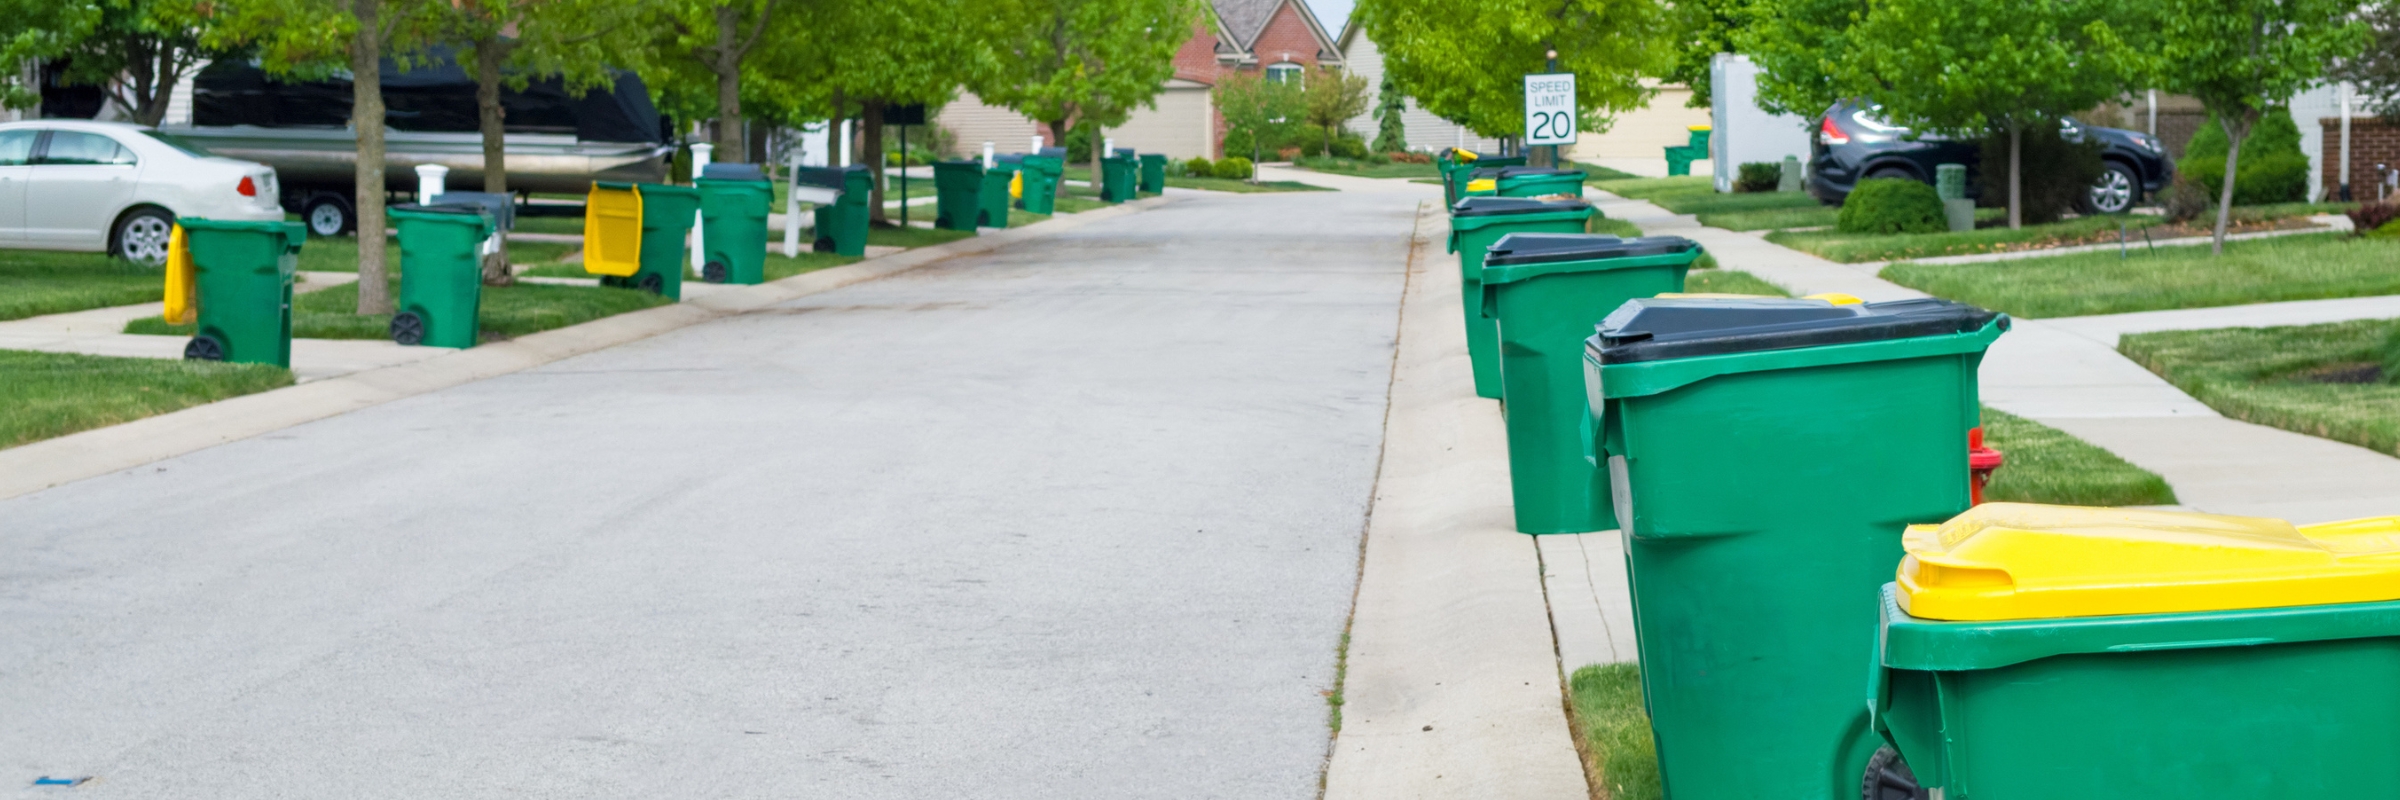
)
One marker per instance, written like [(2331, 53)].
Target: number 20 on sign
[(1550, 109)]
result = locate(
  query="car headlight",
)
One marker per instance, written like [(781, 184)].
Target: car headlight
[(2148, 142)]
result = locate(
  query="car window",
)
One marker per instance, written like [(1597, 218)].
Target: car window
[(177, 142), (77, 147), (16, 147)]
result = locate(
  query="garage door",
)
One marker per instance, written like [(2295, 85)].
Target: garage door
[(1178, 127)]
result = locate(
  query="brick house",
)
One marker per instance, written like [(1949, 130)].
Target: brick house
[(1272, 36)]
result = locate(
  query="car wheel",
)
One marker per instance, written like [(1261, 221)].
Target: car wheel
[(2114, 193), (1891, 172), (142, 236), (327, 215), (204, 348)]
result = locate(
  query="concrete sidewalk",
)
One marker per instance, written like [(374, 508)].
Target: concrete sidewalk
[(2066, 373), (1348, 183)]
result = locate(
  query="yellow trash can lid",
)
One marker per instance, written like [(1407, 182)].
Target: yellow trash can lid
[(1483, 185), (2002, 561)]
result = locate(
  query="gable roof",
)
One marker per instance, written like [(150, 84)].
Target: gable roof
[(1244, 20)]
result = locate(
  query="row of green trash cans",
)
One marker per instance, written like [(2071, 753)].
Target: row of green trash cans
[(1822, 604)]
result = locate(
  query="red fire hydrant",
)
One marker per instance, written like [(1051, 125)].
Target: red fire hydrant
[(1981, 461)]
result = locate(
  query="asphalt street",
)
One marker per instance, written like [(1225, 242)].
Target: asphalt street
[(1077, 518)]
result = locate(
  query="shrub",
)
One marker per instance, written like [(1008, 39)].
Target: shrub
[(1236, 168), (1350, 146), (2184, 200), (1406, 157), (2391, 356), (1758, 176), (1199, 167), (2372, 218), (2054, 175), (1891, 205), (2272, 168), (1289, 154), (1238, 140)]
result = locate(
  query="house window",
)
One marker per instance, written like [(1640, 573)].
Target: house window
[(1283, 73)]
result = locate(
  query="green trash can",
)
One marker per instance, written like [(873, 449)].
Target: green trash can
[(242, 283), (2239, 657), (1455, 164), (735, 200), (1540, 182), (1040, 190), (842, 225), (958, 190), (441, 273), (992, 201), (1154, 173), (1477, 222), (1762, 458), (666, 224), (1546, 292), (1117, 179)]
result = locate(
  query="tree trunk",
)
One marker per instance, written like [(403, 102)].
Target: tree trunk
[(2016, 183), (366, 117), (729, 88), (490, 120), (2234, 134), (1099, 151), (870, 138)]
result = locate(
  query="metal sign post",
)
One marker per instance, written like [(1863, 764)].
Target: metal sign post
[(1550, 111)]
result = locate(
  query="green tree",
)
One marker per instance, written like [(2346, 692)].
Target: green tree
[(1466, 63), (1260, 114), (1967, 66), (1800, 47), (1701, 29), (1333, 99), (134, 50), (316, 38), (1391, 132), (1064, 63), (716, 37), (2376, 70), (2242, 57), (512, 41)]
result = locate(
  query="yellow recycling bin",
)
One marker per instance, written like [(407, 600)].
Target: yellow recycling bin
[(180, 309), (612, 231), (2031, 652)]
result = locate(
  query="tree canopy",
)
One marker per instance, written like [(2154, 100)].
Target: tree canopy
[(134, 50), (1068, 62), (1466, 62)]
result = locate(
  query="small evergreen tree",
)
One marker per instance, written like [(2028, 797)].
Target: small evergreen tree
[(1391, 135)]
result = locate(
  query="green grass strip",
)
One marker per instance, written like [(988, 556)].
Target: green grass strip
[(34, 283), (2305, 267), (1619, 757), (508, 312), (43, 395), (2047, 465), (2269, 376)]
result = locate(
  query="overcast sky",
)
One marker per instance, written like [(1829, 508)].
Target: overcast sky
[(1331, 14)]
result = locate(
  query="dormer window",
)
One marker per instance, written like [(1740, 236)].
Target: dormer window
[(1285, 72)]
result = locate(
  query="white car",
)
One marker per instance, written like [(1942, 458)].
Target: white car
[(115, 187)]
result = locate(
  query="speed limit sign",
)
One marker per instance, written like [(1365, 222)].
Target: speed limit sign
[(1550, 108)]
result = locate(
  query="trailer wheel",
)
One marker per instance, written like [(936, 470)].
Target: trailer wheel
[(328, 215)]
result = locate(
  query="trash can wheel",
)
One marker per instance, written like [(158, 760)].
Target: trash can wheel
[(941, 221), (983, 218), (408, 327), (652, 283), (713, 272), (1888, 778), (204, 348), (824, 244)]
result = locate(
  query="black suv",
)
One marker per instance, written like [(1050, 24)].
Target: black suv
[(1852, 142)]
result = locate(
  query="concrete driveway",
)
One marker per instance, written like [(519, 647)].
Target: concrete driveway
[(1077, 518)]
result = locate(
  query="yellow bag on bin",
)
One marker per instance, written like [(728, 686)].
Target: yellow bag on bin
[(180, 309), (612, 231), (1016, 186)]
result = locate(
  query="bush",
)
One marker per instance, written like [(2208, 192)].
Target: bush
[(1891, 205), (2372, 218), (1236, 168), (2184, 200), (2272, 168), (1240, 141), (1199, 167), (2391, 356), (2055, 175), (1289, 154), (1349, 146), (1758, 176), (1405, 157)]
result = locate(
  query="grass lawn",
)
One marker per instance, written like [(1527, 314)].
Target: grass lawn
[(2045, 465), (2254, 271), (1614, 227), (1241, 186), (1729, 281), (1994, 236), (573, 225), (1740, 211), (1810, 216), (508, 311), (1364, 169), (340, 253), (2282, 377), (33, 283), (43, 395), (1613, 732), (1593, 173)]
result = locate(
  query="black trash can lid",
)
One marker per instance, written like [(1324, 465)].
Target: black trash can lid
[(1659, 328), (477, 209), (1550, 248), (1488, 206), (1053, 152), (733, 172), (1528, 172), (827, 177)]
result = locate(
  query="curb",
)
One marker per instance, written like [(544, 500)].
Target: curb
[(32, 467)]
